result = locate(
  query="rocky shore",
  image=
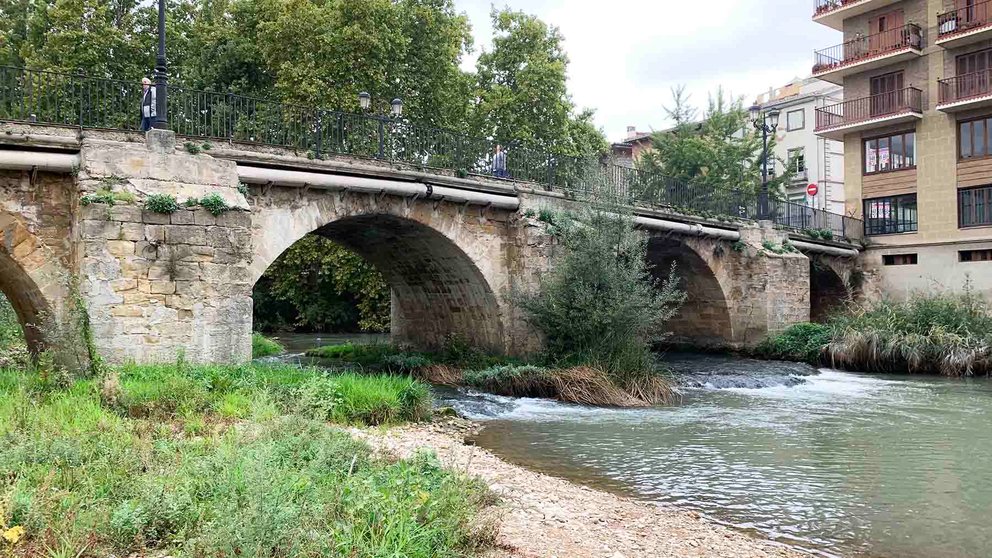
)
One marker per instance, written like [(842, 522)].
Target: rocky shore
[(547, 517)]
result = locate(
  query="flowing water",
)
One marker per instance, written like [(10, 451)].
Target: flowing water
[(837, 463)]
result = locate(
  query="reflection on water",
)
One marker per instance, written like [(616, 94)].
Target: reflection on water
[(298, 343), (841, 463)]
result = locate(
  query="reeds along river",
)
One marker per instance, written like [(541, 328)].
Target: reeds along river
[(838, 463)]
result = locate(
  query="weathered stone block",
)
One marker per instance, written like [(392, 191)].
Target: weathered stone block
[(183, 217), (128, 213), (185, 234), (120, 248), (161, 141), (93, 229), (132, 231), (203, 217), (234, 218), (155, 233), (153, 218), (162, 287)]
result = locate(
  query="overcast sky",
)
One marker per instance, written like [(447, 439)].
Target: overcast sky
[(627, 55)]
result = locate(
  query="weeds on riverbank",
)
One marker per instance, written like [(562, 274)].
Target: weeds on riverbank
[(948, 334), (586, 385), (223, 462), (13, 351), (262, 346)]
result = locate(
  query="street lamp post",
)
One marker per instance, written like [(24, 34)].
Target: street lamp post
[(396, 110), (161, 77), (767, 123)]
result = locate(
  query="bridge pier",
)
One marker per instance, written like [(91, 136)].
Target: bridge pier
[(159, 285)]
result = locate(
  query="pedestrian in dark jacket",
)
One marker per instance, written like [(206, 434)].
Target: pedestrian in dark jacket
[(148, 104)]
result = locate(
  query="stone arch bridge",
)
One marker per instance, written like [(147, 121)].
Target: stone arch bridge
[(452, 249)]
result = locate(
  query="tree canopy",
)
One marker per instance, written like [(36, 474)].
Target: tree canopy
[(720, 150)]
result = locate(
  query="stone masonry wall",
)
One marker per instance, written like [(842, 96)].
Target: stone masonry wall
[(162, 285)]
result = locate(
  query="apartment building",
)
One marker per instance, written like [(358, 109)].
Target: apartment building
[(627, 152), (815, 159), (916, 123)]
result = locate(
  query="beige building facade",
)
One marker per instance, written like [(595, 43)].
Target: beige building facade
[(915, 123)]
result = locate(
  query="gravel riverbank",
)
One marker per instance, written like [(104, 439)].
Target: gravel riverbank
[(544, 516)]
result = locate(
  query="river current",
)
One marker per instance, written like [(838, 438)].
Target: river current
[(837, 463)]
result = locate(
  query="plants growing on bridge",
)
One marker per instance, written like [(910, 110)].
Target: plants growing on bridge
[(106, 195), (161, 203)]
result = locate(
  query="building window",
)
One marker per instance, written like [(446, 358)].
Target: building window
[(975, 207), (975, 255), (891, 215), (973, 138), (900, 259), (795, 120), (890, 153), (797, 158)]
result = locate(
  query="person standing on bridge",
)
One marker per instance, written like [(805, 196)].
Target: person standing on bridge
[(499, 163), (148, 104)]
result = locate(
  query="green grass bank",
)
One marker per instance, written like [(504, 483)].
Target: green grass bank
[(456, 364), (947, 334), (223, 461)]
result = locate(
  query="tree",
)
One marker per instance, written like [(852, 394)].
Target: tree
[(317, 285), (522, 94), (722, 151), (600, 303)]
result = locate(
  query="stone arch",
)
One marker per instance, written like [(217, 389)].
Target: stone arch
[(440, 260), (828, 290), (19, 254), (705, 318)]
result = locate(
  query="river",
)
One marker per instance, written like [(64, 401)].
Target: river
[(833, 462)]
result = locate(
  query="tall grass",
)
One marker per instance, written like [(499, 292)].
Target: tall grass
[(949, 334), (13, 351), (220, 461), (942, 333)]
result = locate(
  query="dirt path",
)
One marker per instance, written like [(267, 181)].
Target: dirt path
[(546, 517)]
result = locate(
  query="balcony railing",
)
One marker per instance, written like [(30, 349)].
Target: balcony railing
[(854, 111), (964, 87), (826, 6), (964, 19), (868, 47)]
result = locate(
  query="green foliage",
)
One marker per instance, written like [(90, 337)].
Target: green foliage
[(785, 248), (717, 152), (522, 91), (191, 202), (950, 334), (192, 148), (823, 234), (214, 204), (81, 473), (600, 304), (348, 398), (107, 196), (803, 342), (243, 189), (317, 285), (161, 203), (13, 351), (262, 346)]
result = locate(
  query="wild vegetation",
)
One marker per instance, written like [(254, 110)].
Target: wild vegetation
[(13, 352), (223, 461), (262, 346), (317, 285), (942, 333)]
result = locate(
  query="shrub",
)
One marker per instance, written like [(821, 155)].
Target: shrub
[(801, 342), (262, 346), (192, 148), (214, 204), (106, 196), (161, 203), (600, 304)]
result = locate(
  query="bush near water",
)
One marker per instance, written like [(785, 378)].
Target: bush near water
[(223, 461), (948, 334)]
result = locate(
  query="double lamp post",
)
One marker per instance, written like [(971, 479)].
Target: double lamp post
[(766, 122)]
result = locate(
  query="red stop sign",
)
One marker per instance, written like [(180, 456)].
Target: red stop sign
[(812, 190)]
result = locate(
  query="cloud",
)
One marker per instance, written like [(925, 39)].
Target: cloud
[(626, 56)]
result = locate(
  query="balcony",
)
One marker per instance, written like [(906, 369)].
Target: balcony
[(832, 13), (856, 115), (867, 53), (965, 26), (964, 92)]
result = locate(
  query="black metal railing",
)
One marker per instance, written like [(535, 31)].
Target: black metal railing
[(53, 98), (825, 6), (866, 47)]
